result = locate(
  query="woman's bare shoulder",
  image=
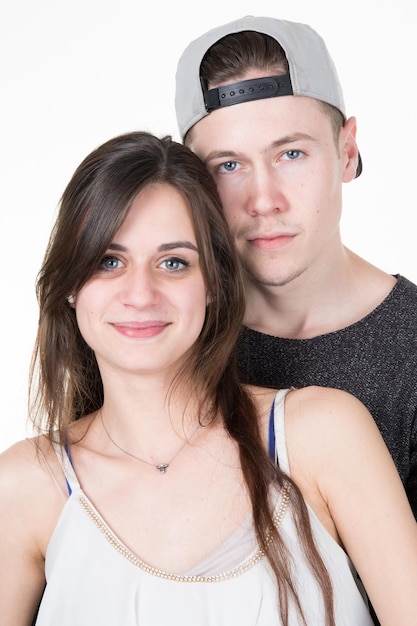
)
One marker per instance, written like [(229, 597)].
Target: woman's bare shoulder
[(32, 500), (312, 403), (323, 427), (318, 401), (325, 406), (30, 466)]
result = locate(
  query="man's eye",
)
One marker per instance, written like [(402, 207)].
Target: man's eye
[(291, 155), (228, 166)]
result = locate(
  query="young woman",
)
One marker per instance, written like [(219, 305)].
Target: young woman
[(151, 496)]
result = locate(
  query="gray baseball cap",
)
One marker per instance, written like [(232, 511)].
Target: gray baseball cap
[(311, 72)]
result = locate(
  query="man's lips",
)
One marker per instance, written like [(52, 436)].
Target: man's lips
[(270, 242), (140, 330)]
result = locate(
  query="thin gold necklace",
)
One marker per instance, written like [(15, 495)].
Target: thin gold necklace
[(161, 467)]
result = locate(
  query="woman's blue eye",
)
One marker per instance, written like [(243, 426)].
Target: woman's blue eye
[(110, 263), (175, 264)]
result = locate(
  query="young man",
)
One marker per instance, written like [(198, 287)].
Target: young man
[(260, 102)]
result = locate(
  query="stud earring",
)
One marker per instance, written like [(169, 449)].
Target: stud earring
[(71, 299)]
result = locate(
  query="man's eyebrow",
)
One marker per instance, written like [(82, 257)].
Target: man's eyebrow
[(290, 139), (222, 154), (172, 245), (231, 154)]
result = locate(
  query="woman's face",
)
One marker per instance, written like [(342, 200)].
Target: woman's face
[(145, 305)]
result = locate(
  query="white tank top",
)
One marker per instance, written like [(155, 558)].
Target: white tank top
[(93, 579)]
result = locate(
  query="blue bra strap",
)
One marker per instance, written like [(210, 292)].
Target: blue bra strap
[(271, 435)]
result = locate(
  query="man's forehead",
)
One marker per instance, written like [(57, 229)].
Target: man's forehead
[(289, 115)]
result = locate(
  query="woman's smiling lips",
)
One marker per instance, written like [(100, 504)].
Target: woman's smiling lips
[(140, 330)]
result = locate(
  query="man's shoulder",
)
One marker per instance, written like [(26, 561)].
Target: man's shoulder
[(400, 306), (405, 288)]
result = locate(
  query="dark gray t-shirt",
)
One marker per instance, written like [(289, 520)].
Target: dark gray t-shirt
[(375, 359)]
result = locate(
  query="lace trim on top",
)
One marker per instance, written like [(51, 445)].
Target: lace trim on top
[(135, 560)]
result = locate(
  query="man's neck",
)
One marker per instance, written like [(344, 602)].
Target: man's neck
[(310, 305)]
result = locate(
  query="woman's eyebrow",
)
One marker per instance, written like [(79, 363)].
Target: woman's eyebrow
[(117, 247), (177, 244)]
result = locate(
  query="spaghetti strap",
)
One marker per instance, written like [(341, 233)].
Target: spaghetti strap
[(65, 461)]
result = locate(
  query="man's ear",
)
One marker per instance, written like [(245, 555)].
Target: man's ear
[(349, 150)]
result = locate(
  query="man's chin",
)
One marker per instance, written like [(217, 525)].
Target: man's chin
[(267, 280)]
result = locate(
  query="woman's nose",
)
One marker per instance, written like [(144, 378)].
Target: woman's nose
[(139, 288)]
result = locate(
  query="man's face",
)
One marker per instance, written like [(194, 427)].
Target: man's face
[(279, 174)]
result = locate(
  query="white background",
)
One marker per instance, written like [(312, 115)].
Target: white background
[(73, 74)]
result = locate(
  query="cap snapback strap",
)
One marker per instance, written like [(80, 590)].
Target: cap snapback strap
[(246, 90)]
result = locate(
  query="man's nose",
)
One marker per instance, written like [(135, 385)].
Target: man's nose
[(266, 192)]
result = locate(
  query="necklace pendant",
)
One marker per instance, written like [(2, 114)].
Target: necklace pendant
[(162, 467)]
